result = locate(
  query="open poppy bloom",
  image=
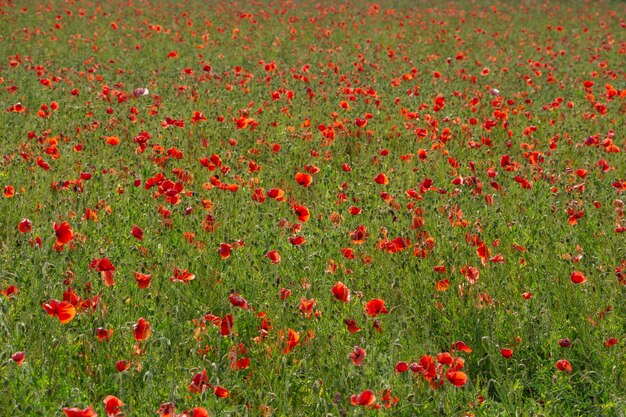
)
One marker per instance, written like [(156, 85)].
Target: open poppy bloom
[(141, 330), (273, 256), (460, 345), (564, 365), (182, 276), (63, 233), (25, 226), (381, 179), (303, 179), (293, 339), (302, 213), (137, 232), (341, 292), (112, 405), (237, 300), (77, 412), (456, 378), (375, 307), (199, 383), (578, 277), (357, 355), (106, 269), (63, 310), (143, 280), (366, 398)]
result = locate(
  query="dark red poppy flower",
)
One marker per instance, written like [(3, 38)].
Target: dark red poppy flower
[(137, 232), (18, 358), (237, 300), (199, 383)]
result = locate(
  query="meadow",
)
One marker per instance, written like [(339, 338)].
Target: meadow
[(283, 208)]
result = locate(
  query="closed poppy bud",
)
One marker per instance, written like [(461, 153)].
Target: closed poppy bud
[(565, 343)]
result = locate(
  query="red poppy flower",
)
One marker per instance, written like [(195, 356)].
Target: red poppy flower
[(611, 341), (199, 383), (143, 280), (63, 310), (381, 179), (237, 300), (220, 392), (63, 233), (341, 292), (303, 179), (442, 285), (365, 398), (359, 235), (375, 307), (103, 334), (106, 269), (456, 378), (460, 345), (506, 353), (226, 325), (181, 276), (25, 226), (354, 210), (122, 366), (293, 339), (564, 365), (297, 240), (18, 358), (273, 256), (276, 193), (578, 277), (307, 306), (302, 213), (196, 412), (225, 250), (77, 412), (137, 232), (141, 330), (167, 410), (352, 326), (358, 355), (444, 358), (402, 367), (8, 191), (471, 273), (112, 405), (10, 291), (565, 342)]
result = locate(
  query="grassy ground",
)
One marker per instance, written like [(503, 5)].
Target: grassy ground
[(456, 169)]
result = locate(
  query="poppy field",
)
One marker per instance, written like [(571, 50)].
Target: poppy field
[(276, 208)]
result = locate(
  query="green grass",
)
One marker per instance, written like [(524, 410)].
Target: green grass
[(382, 64)]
